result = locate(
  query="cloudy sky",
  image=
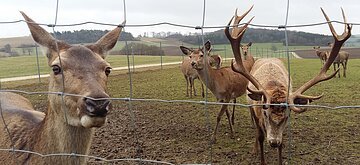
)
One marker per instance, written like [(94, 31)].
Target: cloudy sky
[(186, 12)]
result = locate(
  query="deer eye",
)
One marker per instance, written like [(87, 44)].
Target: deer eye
[(201, 55), (56, 69), (108, 71)]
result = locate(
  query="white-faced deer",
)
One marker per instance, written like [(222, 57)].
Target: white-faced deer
[(224, 83), (269, 87), (323, 55), (245, 49), (68, 124), (342, 58)]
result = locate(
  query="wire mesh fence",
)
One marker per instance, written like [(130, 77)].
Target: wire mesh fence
[(128, 109)]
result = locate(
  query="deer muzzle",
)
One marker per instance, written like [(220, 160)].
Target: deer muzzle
[(97, 108)]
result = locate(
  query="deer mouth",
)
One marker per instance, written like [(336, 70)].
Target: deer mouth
[(98, 108), (94, 113)]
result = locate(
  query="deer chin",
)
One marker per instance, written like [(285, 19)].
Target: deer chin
[(91, 121)]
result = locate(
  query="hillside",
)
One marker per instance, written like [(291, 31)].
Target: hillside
[(261, 36)]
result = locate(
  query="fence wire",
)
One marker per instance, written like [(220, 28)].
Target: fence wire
[(131, 99)]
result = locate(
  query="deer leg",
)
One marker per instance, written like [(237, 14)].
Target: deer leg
[(338, 66), (202, 89), (187, 86), (229, 119), (344, 67), (334, 64), (280, 154), (218, 118), (260, 139), (233, 113), (252, 114), (192, 84)]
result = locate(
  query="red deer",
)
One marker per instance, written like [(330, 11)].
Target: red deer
[(68, 124), (342, 58), (323, 55), (268, 90), (190, 74), (224, 83)]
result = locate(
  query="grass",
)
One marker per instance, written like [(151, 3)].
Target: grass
[(27, 65), (259, 49), (178, 132)]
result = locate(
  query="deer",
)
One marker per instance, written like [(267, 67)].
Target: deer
[(342, 58), (270, 90), (224, 83), (190, 74), (68, 124), (323, 55), (245, 48)]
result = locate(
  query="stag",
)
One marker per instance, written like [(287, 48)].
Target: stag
[(225, 84), (268, 89), (342, 58), (323, 55), (190, 74), (68, 124)]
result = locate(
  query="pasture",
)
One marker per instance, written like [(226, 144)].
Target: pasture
[(179, 132), (27, 65)]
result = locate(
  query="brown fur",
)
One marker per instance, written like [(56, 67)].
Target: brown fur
[(323, 55), (190, 74), (270, 85), (67, 125), (224, 83), (342, 58)]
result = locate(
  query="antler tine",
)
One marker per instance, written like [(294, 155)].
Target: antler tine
[(235, 39), (339, 41)]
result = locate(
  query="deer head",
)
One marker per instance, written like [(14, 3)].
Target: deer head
[(78, 70), (245, 48), (197, 56)]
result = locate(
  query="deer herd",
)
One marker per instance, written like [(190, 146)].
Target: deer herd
[(68, 124)]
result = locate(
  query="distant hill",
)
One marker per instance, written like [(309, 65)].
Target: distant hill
[(88, 36), (16, 41), (261, 36)]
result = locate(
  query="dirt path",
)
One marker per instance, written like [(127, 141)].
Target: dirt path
[(117, 68)]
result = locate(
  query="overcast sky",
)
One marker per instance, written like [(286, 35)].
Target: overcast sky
[(187, 12)]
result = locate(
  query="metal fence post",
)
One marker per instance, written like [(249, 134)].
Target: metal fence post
[(37, 61), (161, 57)]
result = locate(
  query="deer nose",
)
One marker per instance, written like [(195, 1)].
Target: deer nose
[(274, 143), (193, 63), (97, 108)]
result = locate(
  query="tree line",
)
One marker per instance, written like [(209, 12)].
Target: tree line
[(259, 36), (88, 36)]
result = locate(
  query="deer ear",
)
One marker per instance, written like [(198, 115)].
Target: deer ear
[(303, 101), (185, 50), (42, 37), (106, 42), (207, 46), (255, 96)]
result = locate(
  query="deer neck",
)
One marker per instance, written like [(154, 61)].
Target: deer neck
[(207, 75), (56, 136)]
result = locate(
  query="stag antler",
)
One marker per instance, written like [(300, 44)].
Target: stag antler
[(339, 41), (235, 39)]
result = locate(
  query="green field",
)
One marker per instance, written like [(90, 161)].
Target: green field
[(27, 65), (179, 132), (261, 50)]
